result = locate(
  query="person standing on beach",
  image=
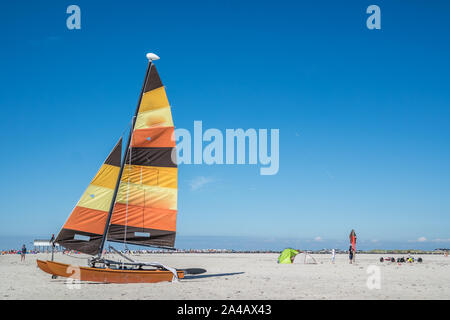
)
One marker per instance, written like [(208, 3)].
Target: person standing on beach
[(353, 243), (23, 253), (350, 254), (333, 255), (52, 242)]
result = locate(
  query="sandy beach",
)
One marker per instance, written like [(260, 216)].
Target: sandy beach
[(241, 276)]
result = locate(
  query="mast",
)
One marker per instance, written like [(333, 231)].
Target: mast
[(150, 57)]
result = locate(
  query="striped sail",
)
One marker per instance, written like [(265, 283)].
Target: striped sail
[(145, 209), (85, 226)]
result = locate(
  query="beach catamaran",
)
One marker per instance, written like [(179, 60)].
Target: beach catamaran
[(131, 200)]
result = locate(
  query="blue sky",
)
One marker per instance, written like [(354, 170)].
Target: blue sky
[(364, 115)]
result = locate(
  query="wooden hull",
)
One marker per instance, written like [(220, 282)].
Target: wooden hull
[(110, 275), (43, 266)]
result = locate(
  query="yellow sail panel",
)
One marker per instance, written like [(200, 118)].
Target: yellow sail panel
[(167, 177), (150, 176), (161, 117), (106, 176), (97, 198), (147, 196), (154, 99), (140, 175)]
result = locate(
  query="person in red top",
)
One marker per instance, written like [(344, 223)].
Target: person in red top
[(353, 243)]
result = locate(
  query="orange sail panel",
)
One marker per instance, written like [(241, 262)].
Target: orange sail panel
[(145, 210), (84, 228)]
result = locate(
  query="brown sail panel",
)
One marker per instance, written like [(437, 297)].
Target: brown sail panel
[(84, 228), (145, 209)]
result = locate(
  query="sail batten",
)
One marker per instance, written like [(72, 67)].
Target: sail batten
[(83, 230), (145, 208)]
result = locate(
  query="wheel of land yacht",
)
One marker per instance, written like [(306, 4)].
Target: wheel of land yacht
[(54, 276)]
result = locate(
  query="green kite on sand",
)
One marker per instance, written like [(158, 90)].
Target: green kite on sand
[(287, 256)]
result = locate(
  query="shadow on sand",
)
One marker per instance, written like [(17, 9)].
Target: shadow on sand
[(189, 277), (193, 271)]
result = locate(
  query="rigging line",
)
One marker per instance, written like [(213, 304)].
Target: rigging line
[(127, 128), (128, 188), (143, 215), (128, 184)]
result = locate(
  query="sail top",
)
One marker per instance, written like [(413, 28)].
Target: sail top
[(152, 57)]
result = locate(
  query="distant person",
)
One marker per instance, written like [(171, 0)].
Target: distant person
[(52, 242), (23, 253), (333, 255), (352, 237), (350, 254)]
